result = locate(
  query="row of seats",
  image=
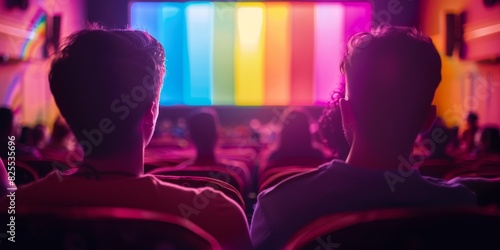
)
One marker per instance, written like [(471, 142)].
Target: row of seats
[(125, 228)]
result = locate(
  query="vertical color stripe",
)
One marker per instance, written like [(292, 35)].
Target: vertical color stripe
[(277, 81), (302, 23), (172, 25), (329, 36), (357, 18), (223, 81), (249, 54), (198, 66)]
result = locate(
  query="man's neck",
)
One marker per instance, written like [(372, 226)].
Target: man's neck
[(126, 163), (376, 157), (205, 156)]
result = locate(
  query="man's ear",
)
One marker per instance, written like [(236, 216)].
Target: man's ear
[(429, 120), (346, 112), (151, 115)]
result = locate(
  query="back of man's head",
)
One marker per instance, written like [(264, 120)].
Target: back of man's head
[(104, 82), (392, 74)]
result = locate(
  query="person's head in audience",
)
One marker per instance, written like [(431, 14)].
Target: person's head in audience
[(106, 84), (469, 135), (203, 132), (61, 135), (6, 122), (25, 132), (439, 148), (391, 77), (330, 124), (6, 128), (472, 120), (490, 141), (295, 129), (38, 136)]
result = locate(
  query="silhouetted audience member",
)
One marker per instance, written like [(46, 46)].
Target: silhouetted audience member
[(23, 138), (330, 124), (62, 142), (9, 132), (295, 142), (391, 76), (469, 135), (203, 126), (490, 141), (106, 84), (437, 145), (38, 136)]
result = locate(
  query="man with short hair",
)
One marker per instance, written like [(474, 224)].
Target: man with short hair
[(106, 84), (391, 76)]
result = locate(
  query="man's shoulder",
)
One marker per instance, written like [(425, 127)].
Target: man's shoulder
[(308, 180)]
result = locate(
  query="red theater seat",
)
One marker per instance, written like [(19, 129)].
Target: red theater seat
[(484, 170), (198, 182), (413, 228), (437, 168), (104, 228), (225, 174), (487, 190), (273, 176), (24, 173)]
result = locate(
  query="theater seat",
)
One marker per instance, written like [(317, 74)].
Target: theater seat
[(225, 174), (446, 228), (485, 171), (103, 228), (273, 176), (24, 174), (487, 190), (198, 182), (437, 168)]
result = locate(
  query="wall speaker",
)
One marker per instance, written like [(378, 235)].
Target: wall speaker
[(450, 33)]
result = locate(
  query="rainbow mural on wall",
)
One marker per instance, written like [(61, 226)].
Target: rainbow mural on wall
[(251, 53), (38, 28), (31, 47)]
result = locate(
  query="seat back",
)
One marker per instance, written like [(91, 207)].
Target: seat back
[(199, 182), (216, 172), (45, 166), (24, 173), (484, 171), (487, 190), (273, 176), (436, 168), (447, 228), (104, 228)]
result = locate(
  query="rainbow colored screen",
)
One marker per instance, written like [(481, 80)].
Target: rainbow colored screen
[(251, 53)]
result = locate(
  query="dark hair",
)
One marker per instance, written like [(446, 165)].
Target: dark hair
[(472, 117), (6, 121), (330, 125), (38, 135), (392, 74), (295, 130), (490, 140), (107, 76), (202, 126)]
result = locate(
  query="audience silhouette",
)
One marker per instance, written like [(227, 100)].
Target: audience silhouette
[(106, 84), (391, 76), (295, 142)]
